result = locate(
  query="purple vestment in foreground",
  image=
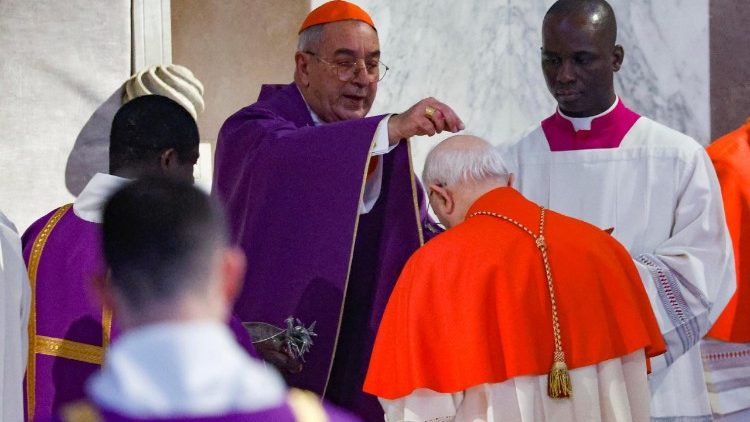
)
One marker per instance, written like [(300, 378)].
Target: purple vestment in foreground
[(292, 191), (71, 327), (277, 414)]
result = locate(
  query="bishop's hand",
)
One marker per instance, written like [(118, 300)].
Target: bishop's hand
[(272, 353), (426, 117)]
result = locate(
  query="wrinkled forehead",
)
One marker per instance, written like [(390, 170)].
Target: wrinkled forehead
[(350, 37)]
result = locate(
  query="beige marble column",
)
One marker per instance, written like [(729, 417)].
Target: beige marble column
[(233, 47), (152, 33)]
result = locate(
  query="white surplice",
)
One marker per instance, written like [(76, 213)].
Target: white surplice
[(89, 205), (15, 297), (660, 192), (615, 390), (189, 369), (726, 367)]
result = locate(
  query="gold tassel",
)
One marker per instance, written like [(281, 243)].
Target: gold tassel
[(558, 380)]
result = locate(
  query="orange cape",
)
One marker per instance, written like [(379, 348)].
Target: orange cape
[(334, 11), (472, 306), (731, 157)]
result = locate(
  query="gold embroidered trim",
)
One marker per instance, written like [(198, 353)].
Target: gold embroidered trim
[(69, 349), (558, 381), (415, 199), (106, 323), (306, 406), (52, 346), (354, 240), (36, 253), (80, 411)]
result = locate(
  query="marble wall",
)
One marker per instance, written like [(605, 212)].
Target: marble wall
[(482, 58), (258, 39)]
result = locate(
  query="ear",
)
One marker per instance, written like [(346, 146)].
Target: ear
[(443, 199), (233, 265), (618, 55), (302, 67), (168, 159), (103, 289)]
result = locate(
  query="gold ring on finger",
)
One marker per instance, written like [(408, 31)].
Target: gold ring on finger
[(429, 111)]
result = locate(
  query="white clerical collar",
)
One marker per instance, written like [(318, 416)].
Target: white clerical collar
[(189, 368), (584, 123), (90, 203), (315, 118)]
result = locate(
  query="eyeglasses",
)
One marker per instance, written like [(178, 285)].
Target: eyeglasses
[(346, 70)]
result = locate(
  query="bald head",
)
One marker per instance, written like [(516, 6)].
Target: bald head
[(597, 14), (458, 171)]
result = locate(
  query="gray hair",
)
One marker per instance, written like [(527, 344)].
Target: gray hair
[(471, 159), (309, 39)]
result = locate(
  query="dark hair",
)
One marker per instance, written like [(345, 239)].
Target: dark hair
[(147, 126), (160, 236)]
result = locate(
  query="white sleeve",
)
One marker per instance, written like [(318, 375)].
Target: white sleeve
[(15, 297), (381, 145), (690, 277), (373, 183), (422, 405)]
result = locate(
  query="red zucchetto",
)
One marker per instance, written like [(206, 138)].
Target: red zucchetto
[(334, 11)]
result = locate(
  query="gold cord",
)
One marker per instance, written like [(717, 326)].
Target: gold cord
[(558, 381)]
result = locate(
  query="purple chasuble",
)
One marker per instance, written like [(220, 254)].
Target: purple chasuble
[(606, 131), (67, 317), (292, 191), (277, 414)]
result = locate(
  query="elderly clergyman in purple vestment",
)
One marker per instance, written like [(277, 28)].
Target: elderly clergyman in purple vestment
[(172, 282), (69, 330), (323, 199)]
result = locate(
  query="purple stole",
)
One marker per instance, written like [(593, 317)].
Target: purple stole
[(292, 192), (606, 131), (69, 331)]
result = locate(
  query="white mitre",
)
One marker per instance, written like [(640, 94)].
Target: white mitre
[(172, 81)]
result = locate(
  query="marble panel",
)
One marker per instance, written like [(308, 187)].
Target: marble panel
[(665, 74), (482, 58)]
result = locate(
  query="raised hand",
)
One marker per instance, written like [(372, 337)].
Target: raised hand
[(426, 117)]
